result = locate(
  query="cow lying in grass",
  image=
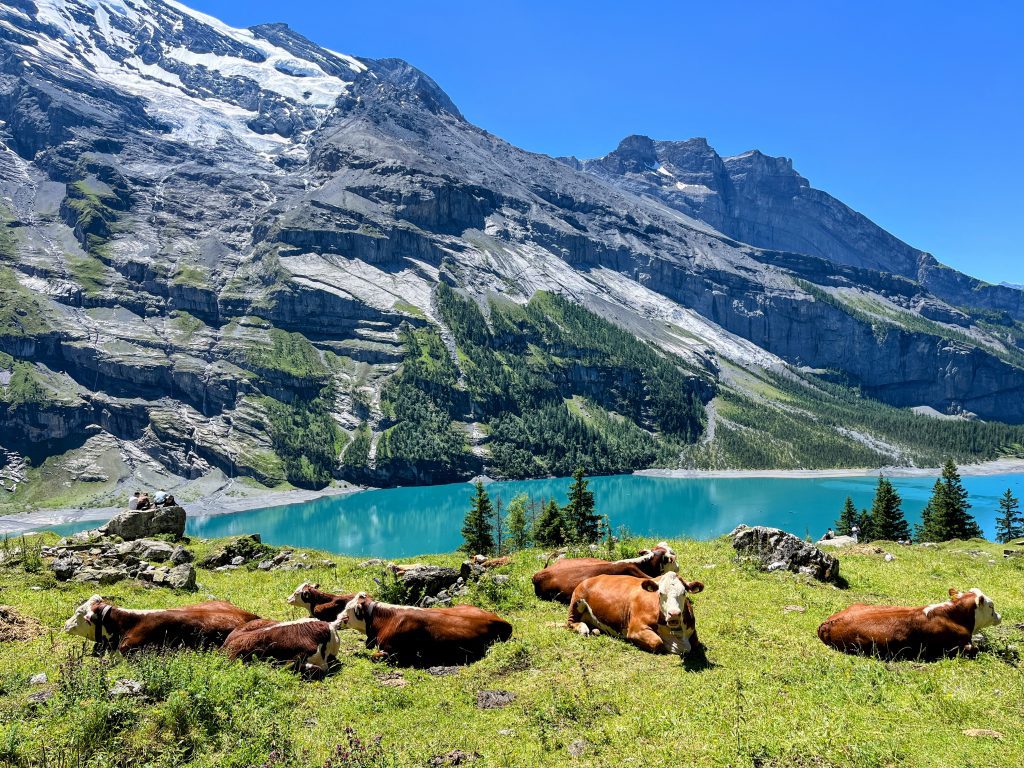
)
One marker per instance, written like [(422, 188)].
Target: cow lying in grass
[(655, 615), (321, 605), (558, 580), (927, 632), (190, 626), (425, 636), (309, 644)]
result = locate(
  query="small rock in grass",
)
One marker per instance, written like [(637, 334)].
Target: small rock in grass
[(455, 757), (494, 699), (889, 557), (983, 733), (578, 747), (126, 687), (40, 697), (39, 679), (442, 671), (794, 609)]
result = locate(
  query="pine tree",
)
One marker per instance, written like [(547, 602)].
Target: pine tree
[(476, 528), (847, 519), (581, 524), (1010, 523), (866, 527), (517, 524), (549, 529), (947, 516), (928, 529), (887, 520)]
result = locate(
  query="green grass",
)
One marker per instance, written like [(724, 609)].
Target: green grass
[(193, 276), (21, 313), (773, 695), (290, 354), (89, 272)]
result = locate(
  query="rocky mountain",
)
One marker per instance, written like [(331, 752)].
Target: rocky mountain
[(232, 252)]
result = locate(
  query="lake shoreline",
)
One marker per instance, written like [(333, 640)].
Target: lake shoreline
[(221, 503)]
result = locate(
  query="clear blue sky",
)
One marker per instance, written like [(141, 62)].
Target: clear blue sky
[(912, 112)]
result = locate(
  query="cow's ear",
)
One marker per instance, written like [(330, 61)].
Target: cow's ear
[(315, 586), (954, 592), (649, 585), (694, 586), (643, 552)]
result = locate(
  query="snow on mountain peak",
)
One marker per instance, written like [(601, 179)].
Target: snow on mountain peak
[(206, 79)]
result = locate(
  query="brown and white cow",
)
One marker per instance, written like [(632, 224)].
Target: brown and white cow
[(309, 644), (928, 631), (655, 615), (558, 580), (321, 605), (190, 626), (425, 636)]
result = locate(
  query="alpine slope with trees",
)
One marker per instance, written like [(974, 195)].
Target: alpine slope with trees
[(232, 253)]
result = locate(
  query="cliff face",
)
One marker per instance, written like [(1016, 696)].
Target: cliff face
[(200, 226)]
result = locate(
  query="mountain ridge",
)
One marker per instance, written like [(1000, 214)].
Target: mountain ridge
[(180, 196)]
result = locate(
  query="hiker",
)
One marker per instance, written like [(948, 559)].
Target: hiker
[(168, 501), (133, 502), (829, 534), (855, 532), (144, 502)]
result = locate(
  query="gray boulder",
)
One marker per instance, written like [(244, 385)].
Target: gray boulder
[(66, 566), (778, 550), (427, 581), (837, 542), (150, 550), (181, 555), (182, 577), (138, 524)]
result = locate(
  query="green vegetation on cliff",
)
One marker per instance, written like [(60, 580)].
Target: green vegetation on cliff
[(791, 420), (771, 694), (555, 386)]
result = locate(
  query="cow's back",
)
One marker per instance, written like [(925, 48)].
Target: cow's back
[(891, 631), (276, 640), (616, 600), (558, 580), (441, 635), (191, 626)]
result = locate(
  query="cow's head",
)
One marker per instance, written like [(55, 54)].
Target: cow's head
[(985, 614), (674, 606), (83, 620), (302, 597), (357, 613), (662, 558)]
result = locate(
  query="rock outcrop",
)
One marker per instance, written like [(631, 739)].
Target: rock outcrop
[(95, 558), (775, 550), (155, 521)]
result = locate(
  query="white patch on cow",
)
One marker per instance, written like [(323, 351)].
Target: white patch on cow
[(671, 599), (296, 597), (348, 616), (985, 614), (676, 642), (929, 608), (81, 621), (590, 622), (669, 562), (285, 624)]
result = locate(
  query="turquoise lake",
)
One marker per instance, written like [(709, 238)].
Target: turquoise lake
[(402, 522)]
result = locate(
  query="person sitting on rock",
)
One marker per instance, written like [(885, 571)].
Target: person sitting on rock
[(133, 502), (158, 500), (829, 534), (169, 501), (144, 502)]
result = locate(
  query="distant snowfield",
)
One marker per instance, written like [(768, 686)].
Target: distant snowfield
[(195, 118)]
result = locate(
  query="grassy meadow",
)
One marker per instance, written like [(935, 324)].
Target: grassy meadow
[(770, 694)]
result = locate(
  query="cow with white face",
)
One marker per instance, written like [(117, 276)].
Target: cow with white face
[(125, 630), (653, 614), (325, 606), (929, 632), (558, 580)]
